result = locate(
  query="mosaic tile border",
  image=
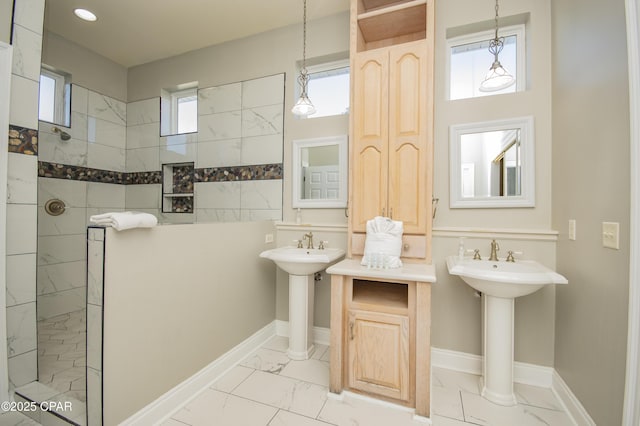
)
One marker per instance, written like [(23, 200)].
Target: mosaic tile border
[(23, 140), (239, 173), (209, 174)]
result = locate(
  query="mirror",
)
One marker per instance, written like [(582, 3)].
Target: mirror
[(320, 172), (492, 164)]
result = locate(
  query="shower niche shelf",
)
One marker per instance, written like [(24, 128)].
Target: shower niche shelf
[(177, 187)]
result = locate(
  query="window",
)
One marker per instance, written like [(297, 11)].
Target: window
[(179, 111), (328, 88), (470, 59), (54, 104)]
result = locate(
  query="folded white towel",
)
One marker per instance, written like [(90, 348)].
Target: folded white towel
[(383, 244), (125, 220)]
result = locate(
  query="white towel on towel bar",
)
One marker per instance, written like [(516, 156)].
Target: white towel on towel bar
[(124, 220)]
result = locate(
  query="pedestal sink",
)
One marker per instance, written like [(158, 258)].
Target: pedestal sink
[(500, 283), (301, 264)]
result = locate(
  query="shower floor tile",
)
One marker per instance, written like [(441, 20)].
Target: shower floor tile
[(62, 353)]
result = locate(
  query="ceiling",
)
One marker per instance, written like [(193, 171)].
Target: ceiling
[(134, 32)]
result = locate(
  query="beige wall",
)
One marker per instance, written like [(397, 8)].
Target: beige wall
[(456, 314), (178, 296), (252, 57), (87, 68), (6, 14), (591, 185)]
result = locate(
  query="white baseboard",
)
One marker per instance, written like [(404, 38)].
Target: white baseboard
[(162, 408), (528, 374), (571, 404), (321, 335)]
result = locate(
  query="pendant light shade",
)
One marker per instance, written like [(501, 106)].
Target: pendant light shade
[(304, 107), (497, 78)]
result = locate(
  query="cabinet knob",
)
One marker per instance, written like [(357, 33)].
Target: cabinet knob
[(406, 247)]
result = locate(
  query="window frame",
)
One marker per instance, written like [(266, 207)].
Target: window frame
[(325, 68), (518, 30), (61, 97), (174, 108)]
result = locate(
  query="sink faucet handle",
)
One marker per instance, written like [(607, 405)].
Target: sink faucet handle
[(476, 254), (321, 244), (510, 255), (298, 243)]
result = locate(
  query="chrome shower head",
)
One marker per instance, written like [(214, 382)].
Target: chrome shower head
[(63, 135)]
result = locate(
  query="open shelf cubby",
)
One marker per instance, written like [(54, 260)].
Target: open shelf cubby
[(383, 294)]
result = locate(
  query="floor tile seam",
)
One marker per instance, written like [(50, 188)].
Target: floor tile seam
[(269, 405), (324, 404), (296, 379), (210, 386), (239, 397)]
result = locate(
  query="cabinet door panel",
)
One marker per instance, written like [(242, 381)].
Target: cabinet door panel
[(408, 136), (370, 133), (379, 353)]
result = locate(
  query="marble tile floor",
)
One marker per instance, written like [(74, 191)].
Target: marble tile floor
[(62, 347), (61, 372), (268, 389)]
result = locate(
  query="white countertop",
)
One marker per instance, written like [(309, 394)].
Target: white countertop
[(421, 272)]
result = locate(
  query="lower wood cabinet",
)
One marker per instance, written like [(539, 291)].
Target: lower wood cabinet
[(380, 333), (378, 353)]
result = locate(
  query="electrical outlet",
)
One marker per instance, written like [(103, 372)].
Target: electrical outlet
[(611, 235), (572, 229), (268, 238)]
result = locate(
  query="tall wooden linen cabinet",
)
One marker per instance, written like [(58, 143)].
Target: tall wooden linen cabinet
[(380, 319)]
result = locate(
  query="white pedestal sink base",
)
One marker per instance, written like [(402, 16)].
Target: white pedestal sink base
[(497, 365), (301, 292)]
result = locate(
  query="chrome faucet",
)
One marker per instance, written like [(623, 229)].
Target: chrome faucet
[(309, 237), (494, 250)]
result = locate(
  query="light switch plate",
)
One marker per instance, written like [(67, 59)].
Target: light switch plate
[(572, 229), (611, 235), (268, 238)]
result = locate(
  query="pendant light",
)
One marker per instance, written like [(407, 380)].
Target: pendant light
[(304, 107), (497, 78)]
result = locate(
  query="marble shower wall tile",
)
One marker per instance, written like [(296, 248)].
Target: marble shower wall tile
[(106, 158), (61, 277), (262, 149), (22, 179), (264, 120), (261, 194), (143, 196), (21, 329), (21, 279), (22, 233), (218, 195), (23, 369), (263, 91), (144, 112), (144, 135), (220, 153), (224, 125), (106, 133), (179, 153), (72, 192), (29, 14), (27, 52), (213, 100), (24, 95), (61, 302), (72, 221), (105, 195), (143, 159), (79, 99), (107, 108), (61, 249)]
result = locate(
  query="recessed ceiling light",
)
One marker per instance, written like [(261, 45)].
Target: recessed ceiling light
[(85, 14)]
